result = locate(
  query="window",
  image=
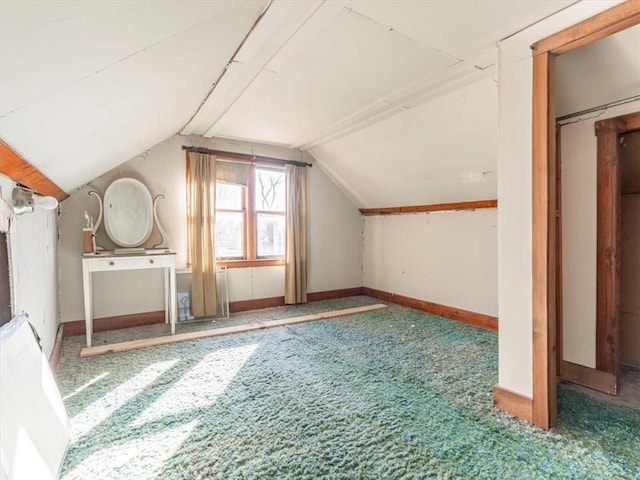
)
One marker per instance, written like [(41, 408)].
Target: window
[(250, 220)]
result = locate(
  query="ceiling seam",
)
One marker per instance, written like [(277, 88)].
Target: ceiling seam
[(390, 28), (228, 64), (262, 69)]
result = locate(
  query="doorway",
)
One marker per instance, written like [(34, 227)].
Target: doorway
[(629, 337), (544, 239), (598, 253)]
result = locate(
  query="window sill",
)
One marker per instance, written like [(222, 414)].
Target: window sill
[(267, 262)]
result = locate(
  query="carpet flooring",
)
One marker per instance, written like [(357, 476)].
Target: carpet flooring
[(394, 394)]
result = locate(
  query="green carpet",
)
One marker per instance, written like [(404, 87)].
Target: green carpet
[(389, 394)]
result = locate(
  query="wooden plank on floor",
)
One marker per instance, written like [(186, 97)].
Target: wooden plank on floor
[(216, 332)]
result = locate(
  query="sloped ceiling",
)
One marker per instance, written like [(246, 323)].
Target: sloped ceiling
[(398, 88), (86, 85)]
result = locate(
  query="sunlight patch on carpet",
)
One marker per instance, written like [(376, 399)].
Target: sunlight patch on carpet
[(98, 411), (137, 458), (201, 385)]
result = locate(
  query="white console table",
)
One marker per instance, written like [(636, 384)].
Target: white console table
[(107, 261)]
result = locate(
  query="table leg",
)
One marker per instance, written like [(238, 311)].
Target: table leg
[(166, 295), (87, 289), (172, 298)]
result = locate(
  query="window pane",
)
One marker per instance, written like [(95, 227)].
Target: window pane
[(229, 234), (228, 196), (269, 190), (271, 235)]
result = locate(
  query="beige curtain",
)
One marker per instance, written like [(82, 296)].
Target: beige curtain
[(201, 192), (295, 271)]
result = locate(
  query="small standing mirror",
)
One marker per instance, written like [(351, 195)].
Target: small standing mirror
[(128, 212)]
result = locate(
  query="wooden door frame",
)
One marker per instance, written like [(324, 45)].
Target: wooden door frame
[(544, 240), (608, 233)]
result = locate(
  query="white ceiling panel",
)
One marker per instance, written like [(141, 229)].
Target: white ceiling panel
[(88, 113), (442, 151), (316, 81), (462, 27), (46, 45)]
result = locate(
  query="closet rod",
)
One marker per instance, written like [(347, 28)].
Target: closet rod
[(599, 107), (245, 157)]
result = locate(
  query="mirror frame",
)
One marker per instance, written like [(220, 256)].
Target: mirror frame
[(108, 212)]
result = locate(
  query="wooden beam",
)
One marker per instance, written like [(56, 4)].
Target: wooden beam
[(19, 170), (465, 316), (543, 242), (608, 248), (623, 123), (438, 207), (590, 377), (216, 332), (613, 20), (514, 403)]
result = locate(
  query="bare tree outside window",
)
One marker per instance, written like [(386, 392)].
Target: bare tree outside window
[(270, 209), (250, 219)]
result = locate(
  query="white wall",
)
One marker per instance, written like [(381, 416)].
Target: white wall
[(33, 268), (423, 153), (334, 230), (514, 194), (448, 258), (579, 229)]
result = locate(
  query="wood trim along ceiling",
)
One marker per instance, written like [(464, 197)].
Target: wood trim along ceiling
[(471, 318), (513, 403), (608, 22), (437, 207), (19, 170)]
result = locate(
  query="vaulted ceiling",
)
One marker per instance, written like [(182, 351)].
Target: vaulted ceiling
[(397, 100)]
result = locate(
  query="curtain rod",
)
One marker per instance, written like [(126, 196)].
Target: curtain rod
[(246, 157), (599, 107)]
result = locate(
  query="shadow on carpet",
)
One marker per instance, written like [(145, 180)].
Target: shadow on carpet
[(394, 393)]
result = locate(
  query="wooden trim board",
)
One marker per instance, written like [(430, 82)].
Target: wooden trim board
[(57, 348), (544, 242), (77, 327), (608, 246), (260, 303), (104, 324), (513, 403), (471, 318), (589, 377), (613, 20), (19, 170), (438, 207), (216, 332)]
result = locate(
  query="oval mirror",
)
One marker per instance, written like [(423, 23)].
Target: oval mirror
[(128, 212)]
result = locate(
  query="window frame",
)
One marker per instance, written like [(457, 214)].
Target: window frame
[(250, 238)]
